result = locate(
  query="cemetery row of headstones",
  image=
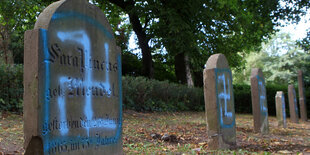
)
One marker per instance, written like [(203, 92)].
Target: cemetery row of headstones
[(73, 90), (219, 103)]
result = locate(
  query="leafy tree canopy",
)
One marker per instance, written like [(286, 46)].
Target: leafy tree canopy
[(280, 60), (168, 31)]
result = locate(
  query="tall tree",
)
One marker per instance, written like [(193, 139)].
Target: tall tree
[(16, 16), (193, 30), (137, 14)]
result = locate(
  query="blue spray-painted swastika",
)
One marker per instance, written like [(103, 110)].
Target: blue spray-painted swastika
[(225, 98), (283, 109), (225, 95), (82, 38), (262, 96)]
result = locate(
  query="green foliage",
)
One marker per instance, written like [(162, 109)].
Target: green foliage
[(16, 16), (163, 68), (11, 88), (131, 65), (142, 94), (243, 102), (196, 28), (119, 23), (305, 42), (280, 59)]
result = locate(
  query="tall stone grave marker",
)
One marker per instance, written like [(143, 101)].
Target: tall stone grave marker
[(280, 109), (72, 82), (293, 104), (219, 103), (259, 101), (302, 99)]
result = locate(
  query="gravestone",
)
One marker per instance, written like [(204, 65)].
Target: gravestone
[(302, 99), (293, 104), (259, 101), (72, 82), (219, 103), (280, 109)]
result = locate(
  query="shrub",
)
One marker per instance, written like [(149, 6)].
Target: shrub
[(142, 94), (11, 87), (243, 102)]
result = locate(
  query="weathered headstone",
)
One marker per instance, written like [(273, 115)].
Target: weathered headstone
[(280, 109), (219, 103), (302, 99), (259, 101), (72, 82), (293, 104)]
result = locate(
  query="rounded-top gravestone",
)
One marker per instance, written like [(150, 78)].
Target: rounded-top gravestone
[(219, 103), (259, 101), (72, 77)]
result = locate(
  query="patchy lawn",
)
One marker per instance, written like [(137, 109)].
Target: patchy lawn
[(178, 133), (11, 134), (190, 131)]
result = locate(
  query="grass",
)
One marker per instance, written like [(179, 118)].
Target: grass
[(189, 130)]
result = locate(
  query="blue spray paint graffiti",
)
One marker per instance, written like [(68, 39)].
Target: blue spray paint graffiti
[(295, 103), (43, 37), (283, 109), (262, 96), (80, 37), (225, 98), (82, 17)]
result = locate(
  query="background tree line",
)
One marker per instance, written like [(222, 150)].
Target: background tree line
[(176, 37)]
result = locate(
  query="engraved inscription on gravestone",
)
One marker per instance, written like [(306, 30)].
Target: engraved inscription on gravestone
[(219, 102), (280, 109), (79, 107), (259, 101)]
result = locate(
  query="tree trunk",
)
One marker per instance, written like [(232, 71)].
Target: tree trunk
[(128, 7), (6, 53), (143, 41), (182, 69), (189, 78)]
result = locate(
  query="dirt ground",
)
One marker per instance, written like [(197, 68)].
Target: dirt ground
[(180, 133)]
